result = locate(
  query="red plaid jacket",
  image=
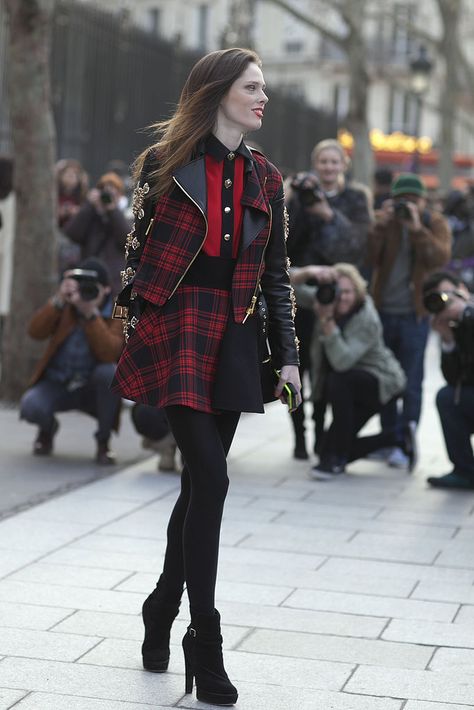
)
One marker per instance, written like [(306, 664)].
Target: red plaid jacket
[(169, 233)]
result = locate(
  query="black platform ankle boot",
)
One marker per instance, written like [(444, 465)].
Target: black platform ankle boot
[(158, 615), (202, 646)]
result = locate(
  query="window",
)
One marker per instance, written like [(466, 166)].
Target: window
[(203, 22), (341, 101), (402, 112), (155, 20), (294, 46), (402, 39)]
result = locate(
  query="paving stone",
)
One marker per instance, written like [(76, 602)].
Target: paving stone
[(91, 681), (465, 616), (279, 559), (70, 597), (108, 560), (11, 560), (396, 569), (103, 541), (334, 648), (437, 517), (430, 632), (272, 697), (383, 547), (56, 701), (9, 697), (444, 591), (375, 526), (297, 672), (26, 616), (456, 659), (371, 605), (460, 556), (44, 644), (257, 616), (422, 705), (81, 510), (24, 533), (319, 510), (68, 575), (412, 684)]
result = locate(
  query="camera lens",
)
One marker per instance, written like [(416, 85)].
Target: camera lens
[(88, 291), (435, 302), (326, 293)]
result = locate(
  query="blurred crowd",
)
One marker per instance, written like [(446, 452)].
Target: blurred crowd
[(373, 268)]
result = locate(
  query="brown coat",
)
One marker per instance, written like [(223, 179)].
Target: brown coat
[(104, 335), (431, 250)]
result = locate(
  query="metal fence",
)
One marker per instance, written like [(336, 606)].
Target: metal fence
[(111, 79)]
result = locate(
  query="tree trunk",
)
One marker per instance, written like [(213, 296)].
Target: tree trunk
[(450, 11), (33, 152)]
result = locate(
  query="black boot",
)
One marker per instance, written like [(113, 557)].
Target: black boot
[(158, 615), (202, 646), (297, 417)]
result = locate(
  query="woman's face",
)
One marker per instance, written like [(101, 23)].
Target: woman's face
[(329, 165), (69, 179), (347, 298), (243, 105)]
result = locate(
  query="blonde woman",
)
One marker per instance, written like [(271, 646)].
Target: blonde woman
[(352, 369)]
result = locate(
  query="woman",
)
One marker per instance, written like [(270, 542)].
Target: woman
[(352, 370), (209, 234), (329, 222)]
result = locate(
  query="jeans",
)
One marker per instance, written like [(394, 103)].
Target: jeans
[(457, 421), (45, 398), (406, 336)]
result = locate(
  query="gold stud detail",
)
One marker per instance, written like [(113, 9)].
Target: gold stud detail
[(228, 183), (226, 237), (227, 210), (231, 155)]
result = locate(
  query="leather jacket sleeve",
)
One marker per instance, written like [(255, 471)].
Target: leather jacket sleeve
[(278, 292), (143, 208)]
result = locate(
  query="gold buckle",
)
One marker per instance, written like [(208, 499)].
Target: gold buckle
[(120, 312)]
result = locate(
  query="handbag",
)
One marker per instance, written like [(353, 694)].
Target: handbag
[(268, 375)]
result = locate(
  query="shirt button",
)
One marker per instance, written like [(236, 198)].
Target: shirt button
[(231, 155), (228, 182), (227, 210), (226, 237)]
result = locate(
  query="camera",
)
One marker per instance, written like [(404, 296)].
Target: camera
[(308, 195), (87, 280), (106, 197), (401, 210), (436, 301), (327, 293)]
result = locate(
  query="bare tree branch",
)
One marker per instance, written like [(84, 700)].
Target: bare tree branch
[(324, 31)]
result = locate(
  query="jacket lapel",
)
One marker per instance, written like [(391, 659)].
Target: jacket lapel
[(192, 180), (256, 209)]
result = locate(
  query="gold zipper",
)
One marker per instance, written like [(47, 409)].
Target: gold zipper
[(251, 308), (202, 243)]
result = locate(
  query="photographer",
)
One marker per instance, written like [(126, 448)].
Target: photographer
[(407, 242), (329, 221), (452, 308), (100, 227), (352, 370), (151, 423), (79, 362), (458, 212)]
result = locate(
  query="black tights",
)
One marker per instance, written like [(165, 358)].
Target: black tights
[(194, 527)]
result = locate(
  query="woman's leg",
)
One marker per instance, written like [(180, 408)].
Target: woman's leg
[(353, 396), (194, 528)]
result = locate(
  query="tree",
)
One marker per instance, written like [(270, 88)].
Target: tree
[(33, 138), (352, 44)]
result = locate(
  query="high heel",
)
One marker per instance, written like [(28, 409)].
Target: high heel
[(203, 661), (158, 615)]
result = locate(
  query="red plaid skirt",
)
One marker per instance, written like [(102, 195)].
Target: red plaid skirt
[(171, 356)]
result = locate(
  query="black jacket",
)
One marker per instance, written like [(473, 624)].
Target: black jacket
[(458, 365)]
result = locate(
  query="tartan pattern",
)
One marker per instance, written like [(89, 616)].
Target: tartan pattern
[(177, 350), (171, 354)]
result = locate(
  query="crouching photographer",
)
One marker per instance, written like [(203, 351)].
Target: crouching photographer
[(448, 299), (79, 362), (352, 370)]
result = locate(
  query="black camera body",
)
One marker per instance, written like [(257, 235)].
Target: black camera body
[(88, 281), (308, 195), (401, 210), (436, 301), (106, 197), (327, 293)]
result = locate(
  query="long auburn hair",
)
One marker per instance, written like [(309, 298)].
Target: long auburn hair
[(195, 115)]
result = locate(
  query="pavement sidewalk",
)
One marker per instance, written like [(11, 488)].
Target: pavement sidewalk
[(357, 594)]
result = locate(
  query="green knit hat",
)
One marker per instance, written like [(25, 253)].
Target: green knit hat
[(408, 184)]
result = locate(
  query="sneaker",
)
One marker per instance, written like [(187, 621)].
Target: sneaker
[(167, 459), (326, 471), (398, 459), (104, 456), (43, 444), (380, 455), (300, 452), (451, 480)]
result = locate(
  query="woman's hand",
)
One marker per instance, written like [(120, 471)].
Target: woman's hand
[(290, 374)]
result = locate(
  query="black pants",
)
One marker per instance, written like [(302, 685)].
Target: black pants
[(354, 398), (194, 527)]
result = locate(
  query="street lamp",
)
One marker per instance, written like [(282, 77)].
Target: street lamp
[(421, 67)]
